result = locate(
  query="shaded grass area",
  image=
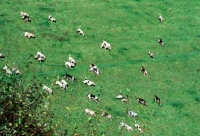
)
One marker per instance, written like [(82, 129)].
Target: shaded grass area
[(132, 29)]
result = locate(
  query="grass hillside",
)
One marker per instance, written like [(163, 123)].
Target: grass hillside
[(132, 28)]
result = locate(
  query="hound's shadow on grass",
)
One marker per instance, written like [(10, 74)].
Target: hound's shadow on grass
[(45, 24), (191, 92), (122, 50), (129, 8), (46, 9), (197, 99), (78, 55), (177, 104), (3, 15)]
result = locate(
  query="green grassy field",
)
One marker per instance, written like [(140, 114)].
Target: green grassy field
[(132, 29)]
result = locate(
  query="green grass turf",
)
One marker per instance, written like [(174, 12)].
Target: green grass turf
[(132, 28)]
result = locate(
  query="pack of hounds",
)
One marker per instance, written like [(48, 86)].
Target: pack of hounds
[(71, 63)]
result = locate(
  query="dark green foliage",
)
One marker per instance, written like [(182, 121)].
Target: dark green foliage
[(24, 111)]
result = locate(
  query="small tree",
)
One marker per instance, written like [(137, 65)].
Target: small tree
[(24, 110)]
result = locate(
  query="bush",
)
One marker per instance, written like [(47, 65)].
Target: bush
[(24, 110)]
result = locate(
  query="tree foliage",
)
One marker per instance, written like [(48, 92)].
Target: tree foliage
[(24, 110)]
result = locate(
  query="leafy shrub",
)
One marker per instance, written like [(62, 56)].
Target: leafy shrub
[(24, 111)]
